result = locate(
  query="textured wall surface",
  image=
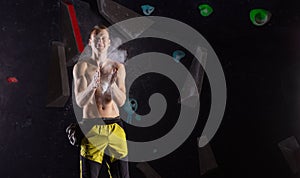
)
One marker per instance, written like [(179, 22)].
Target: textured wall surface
[(261, 66)]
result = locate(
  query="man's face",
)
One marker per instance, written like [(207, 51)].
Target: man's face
[(100, 42)]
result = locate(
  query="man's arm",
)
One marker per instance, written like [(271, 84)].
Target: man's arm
[(83, 92), (118, 87)]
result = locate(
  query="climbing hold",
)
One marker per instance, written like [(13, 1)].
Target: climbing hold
[(259, 17), (12, 80), (147, 9), (178, 55), (205, 9)]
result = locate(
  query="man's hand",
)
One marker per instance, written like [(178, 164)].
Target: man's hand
[(96, 79), (114, 76)]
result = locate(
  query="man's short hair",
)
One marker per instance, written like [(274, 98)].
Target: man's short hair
[(97, 29)]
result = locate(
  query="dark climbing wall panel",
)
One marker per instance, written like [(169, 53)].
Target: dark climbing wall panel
[(261, 69)]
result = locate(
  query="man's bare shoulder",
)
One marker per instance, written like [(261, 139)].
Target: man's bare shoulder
[(121, 70), (80, 66), (85, 63), (116, 63), (120, 65)]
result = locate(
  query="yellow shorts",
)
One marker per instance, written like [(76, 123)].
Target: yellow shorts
[(107, 139)]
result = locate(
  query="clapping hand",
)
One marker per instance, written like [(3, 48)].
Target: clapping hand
[(96, 79), (114, 75)]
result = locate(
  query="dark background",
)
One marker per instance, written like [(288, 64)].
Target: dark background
[(261, 66)]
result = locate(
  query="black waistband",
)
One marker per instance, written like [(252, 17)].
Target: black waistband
[(103, 120)]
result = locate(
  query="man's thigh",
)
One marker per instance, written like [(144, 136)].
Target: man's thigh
[(117, 144)]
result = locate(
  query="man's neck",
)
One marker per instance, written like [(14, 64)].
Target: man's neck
[(100, 57)]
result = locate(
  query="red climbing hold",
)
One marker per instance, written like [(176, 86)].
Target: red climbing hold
[(12, 80)]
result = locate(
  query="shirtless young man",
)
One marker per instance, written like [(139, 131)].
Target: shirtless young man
[(99, 85)]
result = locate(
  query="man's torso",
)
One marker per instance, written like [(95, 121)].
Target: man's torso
[(101, 104)]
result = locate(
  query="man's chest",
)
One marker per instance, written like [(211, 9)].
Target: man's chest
[(90, 73)]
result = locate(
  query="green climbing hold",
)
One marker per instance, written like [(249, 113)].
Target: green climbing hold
[(205, 9), (259, 17)]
